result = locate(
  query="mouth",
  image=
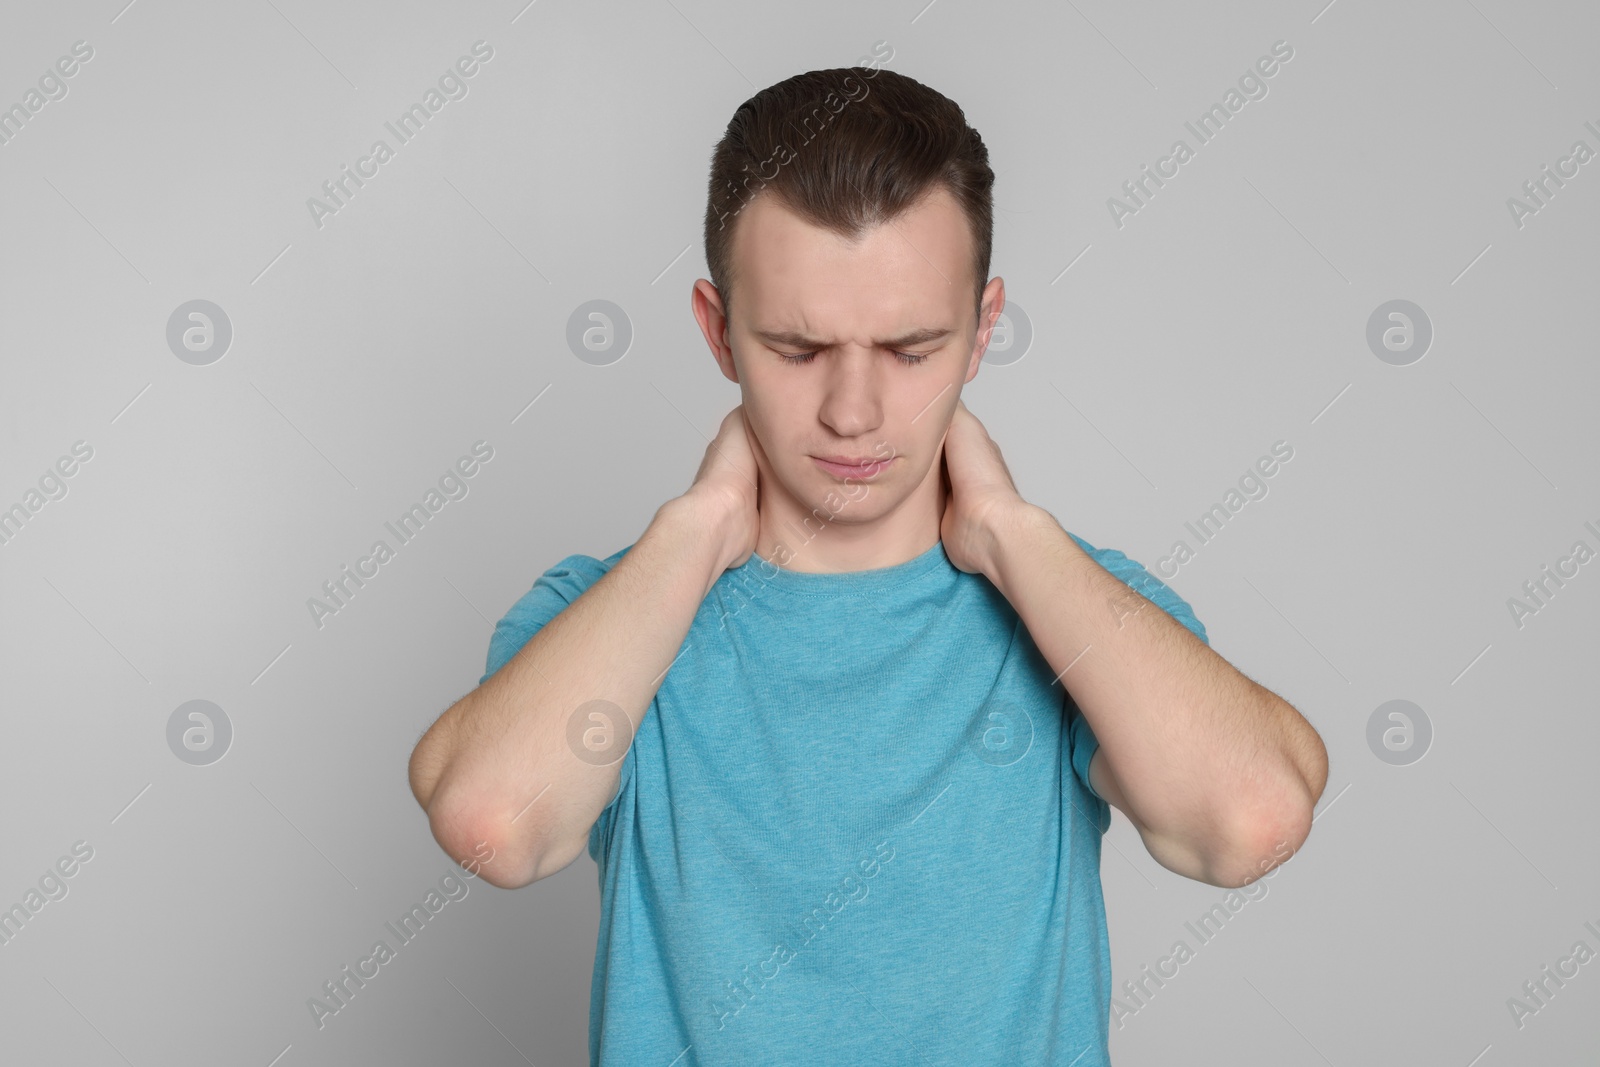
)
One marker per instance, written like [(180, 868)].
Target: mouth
[(849, 467)]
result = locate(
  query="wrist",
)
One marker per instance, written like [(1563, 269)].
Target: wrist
[(1012, 531), (705, 521)]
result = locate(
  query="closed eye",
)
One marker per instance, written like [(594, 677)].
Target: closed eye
[(909, 358)]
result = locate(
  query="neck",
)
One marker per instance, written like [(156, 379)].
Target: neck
[(845, 531)]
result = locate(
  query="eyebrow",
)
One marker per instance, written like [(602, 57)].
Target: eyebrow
[(795, 339)]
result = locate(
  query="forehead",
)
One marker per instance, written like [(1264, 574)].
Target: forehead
[(916, 267)]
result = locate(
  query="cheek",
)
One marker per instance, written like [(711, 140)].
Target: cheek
[(781, 422)]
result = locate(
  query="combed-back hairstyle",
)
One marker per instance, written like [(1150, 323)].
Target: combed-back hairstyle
[(847, 149)]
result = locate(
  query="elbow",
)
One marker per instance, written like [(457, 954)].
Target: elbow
[(467, 826), (1265, 841), (1263, 836), (490, 834), (1269, 832), (482, 840), (1289, 823)]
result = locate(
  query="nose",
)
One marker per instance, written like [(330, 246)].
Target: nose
[(852, 402)]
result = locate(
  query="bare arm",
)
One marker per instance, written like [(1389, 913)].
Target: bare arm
[(496, 767), (501, 785), (1215, 771), (1219, 775)]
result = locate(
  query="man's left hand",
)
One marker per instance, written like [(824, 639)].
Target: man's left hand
[(979, 493)]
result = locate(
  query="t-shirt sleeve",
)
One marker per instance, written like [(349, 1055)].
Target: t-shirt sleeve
[(552, 591), (1080, 736)]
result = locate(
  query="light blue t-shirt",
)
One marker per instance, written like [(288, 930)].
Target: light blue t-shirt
[(854, 827)]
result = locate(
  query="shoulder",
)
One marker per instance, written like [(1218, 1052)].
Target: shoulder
[(566, 580)]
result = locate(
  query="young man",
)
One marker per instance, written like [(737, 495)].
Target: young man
[(842, 727)]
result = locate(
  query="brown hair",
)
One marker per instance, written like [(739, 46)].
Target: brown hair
[(847, 149)]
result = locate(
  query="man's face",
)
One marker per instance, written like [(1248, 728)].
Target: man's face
[(886, 333)]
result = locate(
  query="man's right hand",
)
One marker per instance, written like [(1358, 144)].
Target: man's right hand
[(728, 482)]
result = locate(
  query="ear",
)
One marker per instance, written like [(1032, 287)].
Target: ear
[(710, 313), (994, 302)]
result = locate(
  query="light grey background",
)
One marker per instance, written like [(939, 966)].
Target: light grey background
[(431, 311)]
